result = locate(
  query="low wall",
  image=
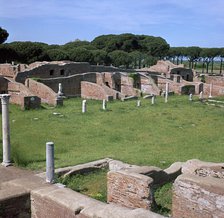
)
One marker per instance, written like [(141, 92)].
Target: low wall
[(22, 96), (216, 90), (62, 202), (8, 70), (215, 80), (46, 94), (92, 91), (127, 86), (14, 202), (129, 189), (195, 196), (71, 85)]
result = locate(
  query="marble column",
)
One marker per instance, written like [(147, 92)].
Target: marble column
[(50, 162), (5, 130), (84, 106), (104, 106), (167, 92)]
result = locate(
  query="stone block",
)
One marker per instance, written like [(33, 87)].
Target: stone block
[(201, 168), (31, 102), (14, 202), (129, 189), (195, 196)]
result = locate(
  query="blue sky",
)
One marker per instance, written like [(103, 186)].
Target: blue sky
[(179, 22)]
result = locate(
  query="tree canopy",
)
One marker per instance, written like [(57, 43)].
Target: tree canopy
[(3, 35), (125, 50)]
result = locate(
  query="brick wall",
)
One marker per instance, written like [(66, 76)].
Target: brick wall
[(3, 85), (195, 196), (42, 91), (8, 70), (129, 189), (71, 85), (14, 203), (217, 90), (215, 80), (127, 86), (53, 70), (95, 91)]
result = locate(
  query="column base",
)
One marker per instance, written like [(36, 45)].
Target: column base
[(6, 164)]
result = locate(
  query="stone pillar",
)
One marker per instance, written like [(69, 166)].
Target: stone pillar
[(167, 92), (201, 96), (153, 99), (60, 90), (190, 97), (5, 130), (84, 106), (104, 106), (50, 162), (210, 91), (138, 103)]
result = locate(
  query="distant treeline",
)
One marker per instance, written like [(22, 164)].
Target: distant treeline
[(124, 50)]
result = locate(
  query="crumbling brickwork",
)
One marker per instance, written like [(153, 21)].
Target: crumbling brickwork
[(129, 189)]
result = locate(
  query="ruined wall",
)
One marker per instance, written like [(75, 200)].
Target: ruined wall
[(3, 85), (149, 85), (18, 91), (92, 91), (216, 90), (109, 80), (98, 92), (162, 67), (46, 94), (53, 70), (177, 87), (215, 80), (195, 196), (15, 204), (186, 74), (127, 86), (71, 85), (8, 70), (101, 68), (129, 189)]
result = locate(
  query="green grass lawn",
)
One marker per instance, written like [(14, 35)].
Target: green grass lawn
[(156, 135)]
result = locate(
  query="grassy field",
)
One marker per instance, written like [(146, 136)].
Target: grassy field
[(156, 135)]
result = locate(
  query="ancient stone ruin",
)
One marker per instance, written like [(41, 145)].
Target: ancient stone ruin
[(198, 191), (29, 85)]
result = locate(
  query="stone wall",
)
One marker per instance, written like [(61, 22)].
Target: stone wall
[(177, 87), (101, 68), (149, 84), (129, 189), (46, 94), (19, 92), (215, 80), (71, 85), (186, 74), (199, 191), (92, 91), (127, 88), (195, 196), (98, 92), (217, 90), (3, 85), (53, 70), (14, 202), (8, 70), (56, 202)]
